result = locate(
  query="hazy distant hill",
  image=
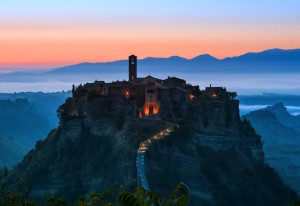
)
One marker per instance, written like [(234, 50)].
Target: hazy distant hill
[(45, 104), (284, 116), (281, 136), (21, 121), (270, 123), (250, 103), (276, 125), (25, 118), (274, 60)]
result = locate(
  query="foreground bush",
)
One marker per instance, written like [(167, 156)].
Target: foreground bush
[(180, 196)]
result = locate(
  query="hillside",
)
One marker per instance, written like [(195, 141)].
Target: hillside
[(276, 125), (95, 147), (284, 116), (250, 103), (225, 177), (281, 136), (44, 103), (22, 122), (274, 132), (10, 152)]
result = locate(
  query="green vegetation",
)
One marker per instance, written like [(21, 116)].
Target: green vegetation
[(295, 203), (18, 196), (179, 196)]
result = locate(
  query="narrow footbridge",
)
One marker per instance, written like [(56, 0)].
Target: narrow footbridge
[(140, 157)]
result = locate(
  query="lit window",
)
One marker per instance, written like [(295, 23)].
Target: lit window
[(126, 94), (132, 60), (191, 97)]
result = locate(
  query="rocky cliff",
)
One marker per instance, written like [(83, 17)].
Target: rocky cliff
[(215, 153), (281, 136), (215, 177)]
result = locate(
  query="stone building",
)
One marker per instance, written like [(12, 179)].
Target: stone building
[(152, 96)]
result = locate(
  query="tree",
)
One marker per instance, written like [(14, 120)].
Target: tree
[(295, 203), (180, 196), (53, 201)]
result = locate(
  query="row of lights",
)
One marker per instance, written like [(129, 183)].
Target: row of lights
[(192, 97)]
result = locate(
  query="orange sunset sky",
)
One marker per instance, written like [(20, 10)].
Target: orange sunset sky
[(45, 34)]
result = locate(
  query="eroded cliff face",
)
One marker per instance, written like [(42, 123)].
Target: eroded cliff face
[(70, 164), (219, 170), (215, 116), (95, 146), (217, 124), (93, 149)]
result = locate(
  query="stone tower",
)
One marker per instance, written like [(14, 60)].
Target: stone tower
[(132, 68)]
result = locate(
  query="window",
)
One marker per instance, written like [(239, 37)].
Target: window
[(132, 60)]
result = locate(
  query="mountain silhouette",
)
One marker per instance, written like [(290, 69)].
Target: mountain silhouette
[(284, 116), (204, 58), (275, 60), (272, 60)]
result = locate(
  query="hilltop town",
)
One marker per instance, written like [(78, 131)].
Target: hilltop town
[(214, 111), (152, 96)]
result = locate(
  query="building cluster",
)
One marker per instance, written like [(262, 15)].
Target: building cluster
[(153, 96)]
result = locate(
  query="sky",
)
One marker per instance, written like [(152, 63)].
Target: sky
[(51, 33)]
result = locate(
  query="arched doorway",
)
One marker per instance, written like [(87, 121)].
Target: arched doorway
[(151, 109)]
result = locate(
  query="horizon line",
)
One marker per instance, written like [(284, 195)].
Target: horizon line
[(47, 66)]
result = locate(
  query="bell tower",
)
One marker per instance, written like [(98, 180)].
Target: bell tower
[(132, 68)]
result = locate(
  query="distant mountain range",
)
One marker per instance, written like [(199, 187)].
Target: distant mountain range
[(269, 60), (273, 60)]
